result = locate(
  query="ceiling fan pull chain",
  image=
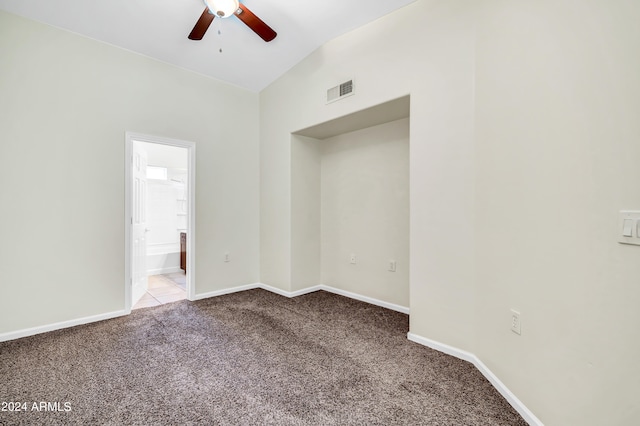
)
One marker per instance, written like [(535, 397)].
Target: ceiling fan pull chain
[(219, 32)]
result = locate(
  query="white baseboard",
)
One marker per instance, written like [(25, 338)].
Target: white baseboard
[(307, 290), (371, 300), (338, 291), (161, 271), (290, 294), (441, 347), (492, 378), (58, 325), (224, 291), (65, 324), (266, 287)]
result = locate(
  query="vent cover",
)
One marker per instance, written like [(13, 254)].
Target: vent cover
[(341, 91)]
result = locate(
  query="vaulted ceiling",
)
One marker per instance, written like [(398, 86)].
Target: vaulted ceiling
[(229, 51)]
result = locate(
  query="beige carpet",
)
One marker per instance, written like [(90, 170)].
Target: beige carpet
[(250, 358)]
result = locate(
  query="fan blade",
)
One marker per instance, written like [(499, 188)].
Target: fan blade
[(256, 24), (202, 25)]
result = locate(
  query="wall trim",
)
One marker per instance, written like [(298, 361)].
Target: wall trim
[(290, 294), (371, 300), (224, 291), (517, 405), (307, 290), (160, 271), (12, 335)]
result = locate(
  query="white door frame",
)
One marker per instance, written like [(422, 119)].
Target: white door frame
[(130, 137)]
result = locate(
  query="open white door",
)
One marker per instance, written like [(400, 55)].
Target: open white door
[(136, 216), (139, 224)]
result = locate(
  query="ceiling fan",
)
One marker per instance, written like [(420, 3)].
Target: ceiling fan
[(225, 9)]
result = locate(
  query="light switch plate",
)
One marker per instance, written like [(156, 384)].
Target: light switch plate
[(629, 223), (516, 326)]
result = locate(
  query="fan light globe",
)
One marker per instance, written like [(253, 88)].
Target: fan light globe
[(222, 8)]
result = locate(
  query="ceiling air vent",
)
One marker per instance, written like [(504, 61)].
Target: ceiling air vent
[(341, 91)]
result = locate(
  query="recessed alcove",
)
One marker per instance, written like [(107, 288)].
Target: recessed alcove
[(350, 196), (378, 114)]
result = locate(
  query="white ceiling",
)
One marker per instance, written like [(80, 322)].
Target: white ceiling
[(159, 29)]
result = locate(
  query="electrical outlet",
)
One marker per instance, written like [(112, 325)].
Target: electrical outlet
[(392, 265), (226, 257), (352, 258), (516, 325)]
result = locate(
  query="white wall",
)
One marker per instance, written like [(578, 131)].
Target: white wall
[(425, 49), (171, 157), (164, 225), (305, 212), (350, 194), (65, 105), (162, 216), (166, 206), (524, 146), (365, 211), (557, 150)]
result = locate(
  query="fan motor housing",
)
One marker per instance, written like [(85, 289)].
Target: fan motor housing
[(222, 8)]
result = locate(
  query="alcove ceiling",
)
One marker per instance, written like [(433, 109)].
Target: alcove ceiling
[(159, 29), (378, 114)]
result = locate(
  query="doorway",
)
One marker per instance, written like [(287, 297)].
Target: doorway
[(159, 220)]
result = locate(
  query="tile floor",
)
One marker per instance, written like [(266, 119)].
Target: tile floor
[(163, 289)]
